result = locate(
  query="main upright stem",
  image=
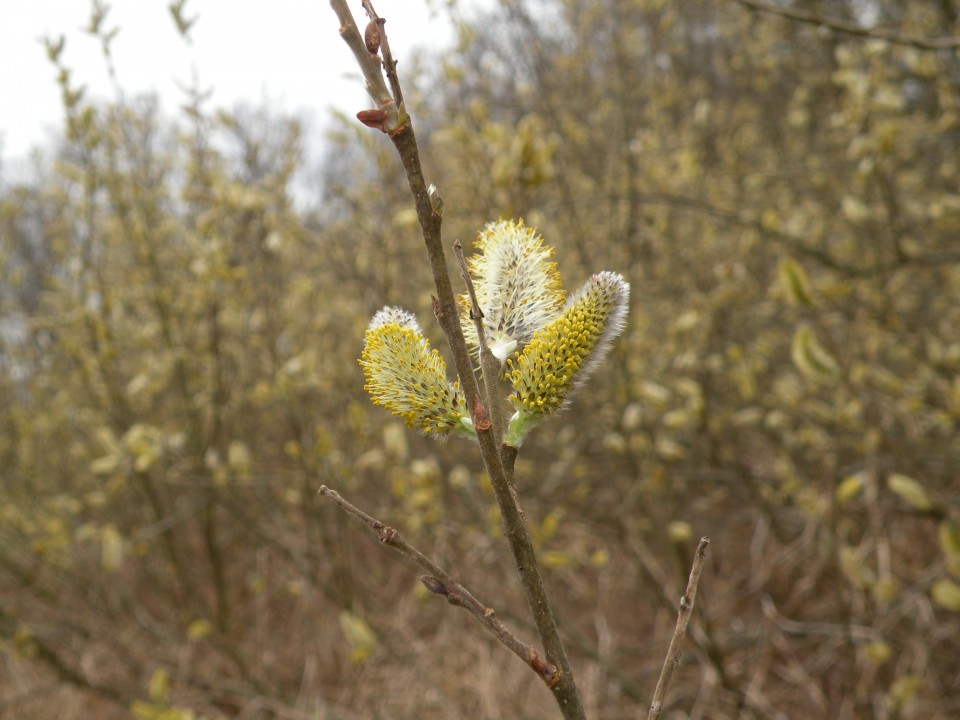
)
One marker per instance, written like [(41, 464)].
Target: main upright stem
[(499, 467)]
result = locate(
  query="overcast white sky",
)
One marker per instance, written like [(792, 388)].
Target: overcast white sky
[(285, 51)]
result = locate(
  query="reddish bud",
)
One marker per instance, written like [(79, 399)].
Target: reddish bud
[(548, 671), (373, 118), (371, 37)]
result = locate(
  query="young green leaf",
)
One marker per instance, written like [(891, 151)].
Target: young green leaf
[(909, 490), (811, 358)]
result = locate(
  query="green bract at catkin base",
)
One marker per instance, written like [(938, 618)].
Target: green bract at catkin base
[(409, 379), (518, 287), (562, 354)]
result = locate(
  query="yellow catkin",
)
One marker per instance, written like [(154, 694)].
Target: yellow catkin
[(517, 283), (406, 377), (561, 354)]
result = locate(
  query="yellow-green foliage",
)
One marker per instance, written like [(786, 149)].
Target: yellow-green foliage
[(179, 331)]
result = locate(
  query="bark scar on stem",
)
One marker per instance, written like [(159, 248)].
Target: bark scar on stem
[(548, 671), (481, 418), (433, 585), (387, 534)]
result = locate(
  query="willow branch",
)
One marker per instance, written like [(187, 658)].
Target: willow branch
[(445, 310), (849, 28), (439, 582), (679, 632)]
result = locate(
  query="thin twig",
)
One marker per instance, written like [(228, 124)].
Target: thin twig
[(369, 65), (439, 582), (389, 64), (849, 28), (489, 365), (795, 242), (683, 619), (491, 370)]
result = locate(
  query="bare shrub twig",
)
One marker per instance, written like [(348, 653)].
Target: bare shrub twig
[(439, 582), (683, 619), (849, 28)]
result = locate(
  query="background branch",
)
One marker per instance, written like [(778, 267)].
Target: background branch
[(849, 28), (683, 619)]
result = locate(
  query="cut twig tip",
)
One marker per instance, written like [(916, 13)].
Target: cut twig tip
[(702, 547)]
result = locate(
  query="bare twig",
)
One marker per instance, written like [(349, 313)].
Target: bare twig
[(795, 242), (489, 365), (389, 64), (490, 368), (439, 582), (499, 469), (369, 64), (683, 619), (701, 636), (849, 28)]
